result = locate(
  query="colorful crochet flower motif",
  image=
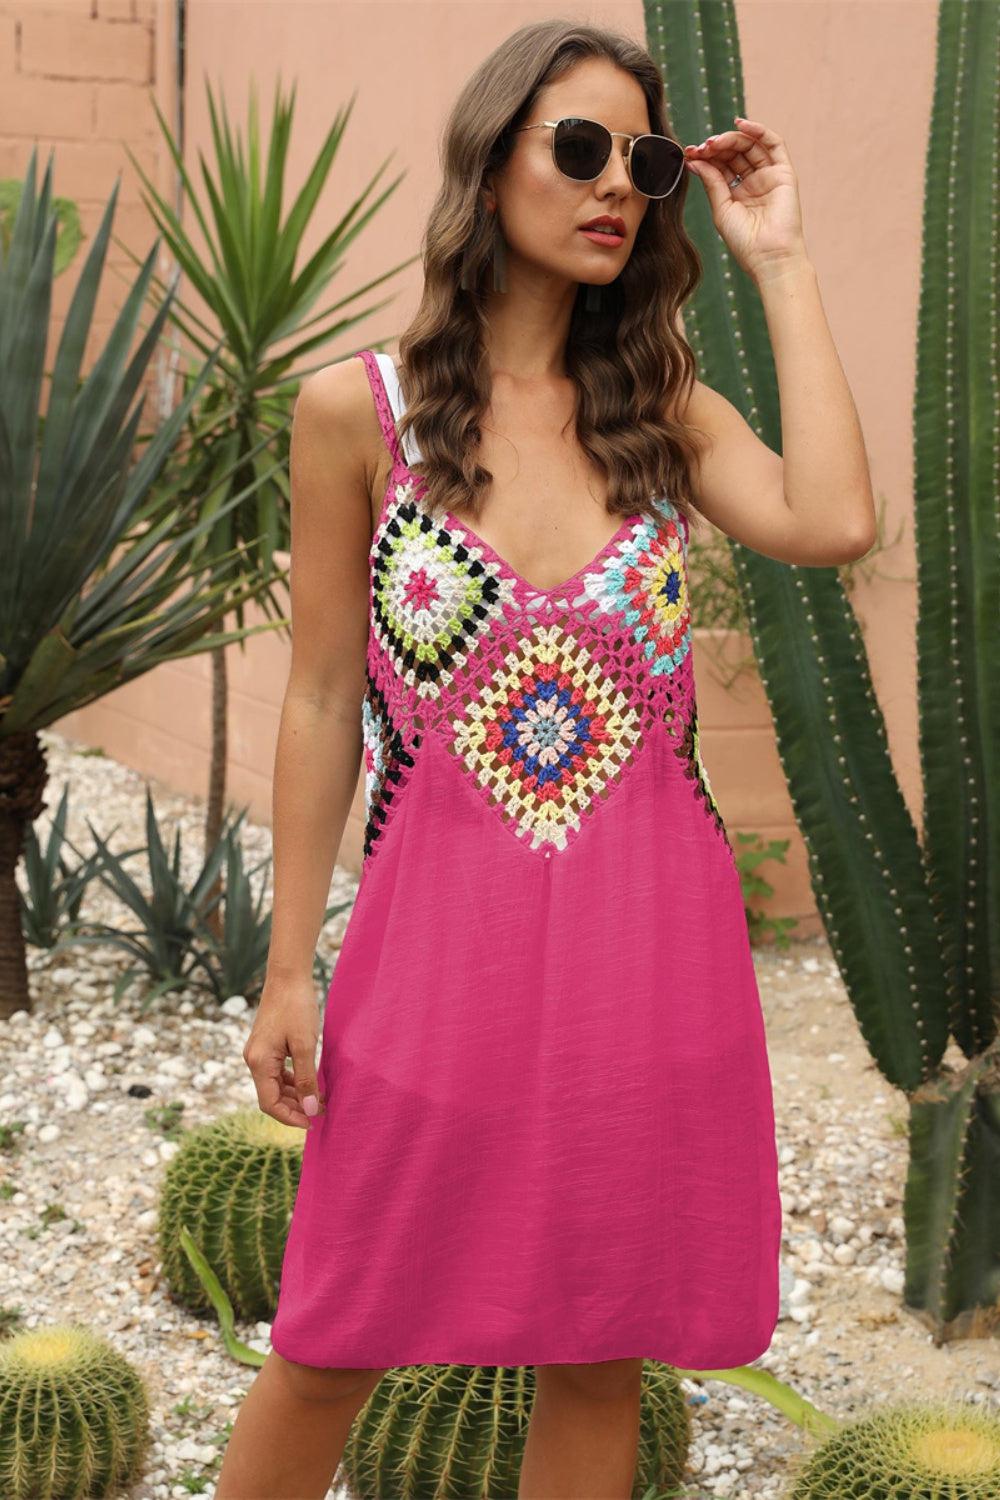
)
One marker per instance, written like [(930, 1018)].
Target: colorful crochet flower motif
[(545, 735), (387, 760), (431, 598), (645, 582)]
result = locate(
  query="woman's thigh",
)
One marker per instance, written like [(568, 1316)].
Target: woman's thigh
[(608, 1378), (318, 1383)]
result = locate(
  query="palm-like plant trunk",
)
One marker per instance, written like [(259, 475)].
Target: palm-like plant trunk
[(23, 776), (217, 775)]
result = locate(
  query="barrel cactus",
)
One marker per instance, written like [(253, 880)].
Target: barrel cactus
[(459, 1431), (233, 1185), (74, 1416), (934, 1451)]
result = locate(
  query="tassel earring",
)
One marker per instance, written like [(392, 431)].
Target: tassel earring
[(499, 258)]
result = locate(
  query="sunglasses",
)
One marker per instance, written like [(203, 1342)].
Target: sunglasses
[(581, 150)]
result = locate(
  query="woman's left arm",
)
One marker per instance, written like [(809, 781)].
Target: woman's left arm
[(826, 512)]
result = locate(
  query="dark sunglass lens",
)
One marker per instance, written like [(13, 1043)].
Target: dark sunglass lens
[(657, 164), (582, 148)]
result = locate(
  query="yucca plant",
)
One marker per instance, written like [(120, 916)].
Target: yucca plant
[(913, 924), (84, 606), (258, 288)]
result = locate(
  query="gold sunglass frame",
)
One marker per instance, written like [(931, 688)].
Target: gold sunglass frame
[(624, 135)]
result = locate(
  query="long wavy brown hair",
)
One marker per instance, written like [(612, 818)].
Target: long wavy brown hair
[(631, 366)]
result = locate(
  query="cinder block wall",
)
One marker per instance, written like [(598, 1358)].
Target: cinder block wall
[(78, 77)]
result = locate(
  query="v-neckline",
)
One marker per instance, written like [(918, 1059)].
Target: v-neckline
[(501, 562), (479, 542)]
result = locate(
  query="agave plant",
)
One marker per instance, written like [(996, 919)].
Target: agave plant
[(51, 908), (174, 943), (913, 922), (170, 934), (259, 289), (84, 606)]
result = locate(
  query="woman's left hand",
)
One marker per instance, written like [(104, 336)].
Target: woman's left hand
[(760, 218)]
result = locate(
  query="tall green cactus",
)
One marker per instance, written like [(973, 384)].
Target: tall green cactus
[(956, 416), (914, 927)]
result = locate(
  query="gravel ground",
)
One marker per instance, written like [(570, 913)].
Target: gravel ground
[(844, 1340)]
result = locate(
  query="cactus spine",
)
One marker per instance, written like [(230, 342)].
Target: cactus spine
[(452, 1432), (915, 927), (74, 1416), (232, 1185)]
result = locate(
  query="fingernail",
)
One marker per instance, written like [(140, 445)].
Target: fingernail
[(310, 1104)]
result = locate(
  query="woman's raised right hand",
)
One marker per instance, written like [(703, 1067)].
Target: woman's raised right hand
[(286, 1025)]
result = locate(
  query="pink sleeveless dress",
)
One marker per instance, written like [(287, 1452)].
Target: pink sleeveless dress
[(549, 1130)]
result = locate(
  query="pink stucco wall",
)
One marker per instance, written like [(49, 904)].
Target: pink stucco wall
[(848, 85)]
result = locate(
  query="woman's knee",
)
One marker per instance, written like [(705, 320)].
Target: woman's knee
[(320, 1383), (606, 1379)]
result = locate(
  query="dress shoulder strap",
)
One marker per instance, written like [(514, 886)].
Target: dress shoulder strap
[(375, 367), (389, 401)]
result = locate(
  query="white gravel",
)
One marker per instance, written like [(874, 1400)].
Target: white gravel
[(845, 1341)]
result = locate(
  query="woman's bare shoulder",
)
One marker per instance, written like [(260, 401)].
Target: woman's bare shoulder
[(330, 536), (336, 402), (336, 425)]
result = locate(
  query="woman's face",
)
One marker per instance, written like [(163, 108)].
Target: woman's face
[(541, 211)]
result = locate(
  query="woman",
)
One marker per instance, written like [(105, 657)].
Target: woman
[(542, 1127)]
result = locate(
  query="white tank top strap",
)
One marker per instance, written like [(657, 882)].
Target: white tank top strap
[(411, 452)]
